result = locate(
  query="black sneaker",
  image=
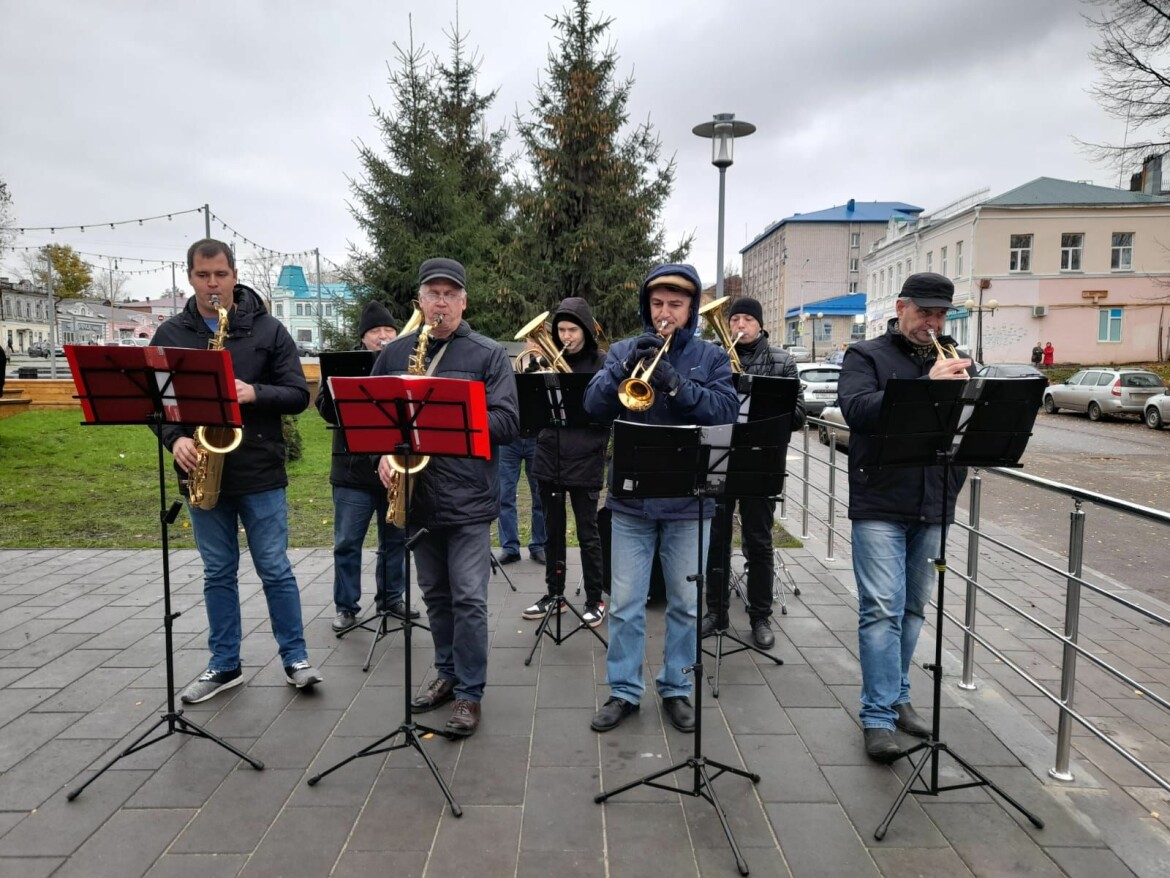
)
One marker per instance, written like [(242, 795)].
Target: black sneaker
[(537, 610), (594, 613), (210, 683)]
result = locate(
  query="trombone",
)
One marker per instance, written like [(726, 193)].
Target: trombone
[(537, 334), (715, 313), (635, 392)]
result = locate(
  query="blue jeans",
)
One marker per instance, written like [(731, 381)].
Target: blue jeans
[(633, 542), (454, 566), (511, 456), (352, 510), (892, 563), (217, 534)]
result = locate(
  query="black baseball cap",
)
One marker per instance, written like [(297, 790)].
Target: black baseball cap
[(929, 290), (442, 269)]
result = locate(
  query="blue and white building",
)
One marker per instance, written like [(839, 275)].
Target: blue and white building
[(306, 308)]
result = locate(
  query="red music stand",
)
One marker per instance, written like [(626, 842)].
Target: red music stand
[(157, 386), (410, 415)]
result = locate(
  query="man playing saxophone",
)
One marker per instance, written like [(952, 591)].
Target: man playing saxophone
[(455, 499), (269, 384)]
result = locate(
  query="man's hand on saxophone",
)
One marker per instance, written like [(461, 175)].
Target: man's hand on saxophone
[(245, 392), (384, 470), (185, 454)]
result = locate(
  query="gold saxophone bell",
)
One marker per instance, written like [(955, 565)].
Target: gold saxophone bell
[(715, 314), (537, 334), (635, 392), (225, 441)]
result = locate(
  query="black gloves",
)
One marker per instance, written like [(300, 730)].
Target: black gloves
[(665, 378), (646, 346)]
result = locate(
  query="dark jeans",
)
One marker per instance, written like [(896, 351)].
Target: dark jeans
[(352, 510), (454, 566), (755, 515), (552, 499)]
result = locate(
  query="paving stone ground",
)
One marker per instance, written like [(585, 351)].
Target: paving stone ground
[(82, 673)]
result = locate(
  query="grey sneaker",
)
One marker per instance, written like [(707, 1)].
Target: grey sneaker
[(344, 620), (210, 683), (302, 675)]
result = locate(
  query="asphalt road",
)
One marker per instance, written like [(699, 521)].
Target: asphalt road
[(1122, 459)]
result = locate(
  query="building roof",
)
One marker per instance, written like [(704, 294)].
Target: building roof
[(292, 281), (851, 211), (837, 306), (1048, 191)]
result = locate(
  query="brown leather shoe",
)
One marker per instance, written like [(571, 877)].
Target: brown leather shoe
[(464, 718), (439, 692)]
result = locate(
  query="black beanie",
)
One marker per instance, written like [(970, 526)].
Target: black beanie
[(747, 306), (373, 316)]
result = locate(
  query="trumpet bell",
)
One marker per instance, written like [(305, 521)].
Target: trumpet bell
[(636, 395)]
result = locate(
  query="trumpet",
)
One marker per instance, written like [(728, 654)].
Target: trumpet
[(635, 392), (716, 314), (536, 333), (945, 352)]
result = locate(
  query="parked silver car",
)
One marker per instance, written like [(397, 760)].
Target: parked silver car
[(1104, 391), (799, 353), (833, 415), (1157, 412), (819, 383)]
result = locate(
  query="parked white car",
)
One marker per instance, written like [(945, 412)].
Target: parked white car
[(819, 383), (1157, 412)]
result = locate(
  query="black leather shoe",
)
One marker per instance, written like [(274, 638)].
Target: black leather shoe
[(711, 625), (910, 722), (611, 714), (537, 555), (464, 719), (679, 712), (881, 746), (398, 609), (439, 692), (507, 558), (762, 634)]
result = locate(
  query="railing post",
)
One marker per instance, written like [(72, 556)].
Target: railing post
[(804, 499), (1072, 618), (976, 484), (832, 494)]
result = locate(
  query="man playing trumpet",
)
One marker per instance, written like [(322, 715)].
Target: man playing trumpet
[(690, 383), (897, 514)]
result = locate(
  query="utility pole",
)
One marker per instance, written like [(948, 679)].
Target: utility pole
[(52, 318), (113, 336), (207, 221), (320, 307), (174, 293)]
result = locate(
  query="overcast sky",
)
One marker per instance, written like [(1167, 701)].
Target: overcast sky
[(118, 110)]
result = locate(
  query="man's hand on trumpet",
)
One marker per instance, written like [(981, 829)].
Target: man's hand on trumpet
[(646, 347), (952, 369)]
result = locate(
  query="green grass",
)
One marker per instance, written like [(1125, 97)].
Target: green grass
[(68, 485)]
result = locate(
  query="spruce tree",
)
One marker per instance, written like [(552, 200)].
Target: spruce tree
[(589, 214)]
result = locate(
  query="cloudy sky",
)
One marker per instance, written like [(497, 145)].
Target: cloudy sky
[(119, 110)]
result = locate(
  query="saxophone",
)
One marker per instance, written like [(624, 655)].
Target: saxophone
[(396, 493), (212, 443)]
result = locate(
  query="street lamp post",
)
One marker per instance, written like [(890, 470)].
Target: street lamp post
[(722, 130), (979, 308)]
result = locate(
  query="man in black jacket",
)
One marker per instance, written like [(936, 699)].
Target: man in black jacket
[(455, 499), (572, 460), (358, 496), (756, 357), (897, 513), (269, 384)]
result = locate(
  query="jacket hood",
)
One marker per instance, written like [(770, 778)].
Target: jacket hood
[(576, 310), (687, 271)]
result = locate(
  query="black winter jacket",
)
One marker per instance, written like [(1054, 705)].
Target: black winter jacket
[(574, 457), (263, 355), (762, 358), (910, 494), (454, 491), (347, 470)]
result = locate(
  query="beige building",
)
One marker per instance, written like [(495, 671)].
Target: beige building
[(815, 256), (24, 315), (1084, 267)]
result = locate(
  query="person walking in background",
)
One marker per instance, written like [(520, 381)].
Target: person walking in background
[(1049, 353)]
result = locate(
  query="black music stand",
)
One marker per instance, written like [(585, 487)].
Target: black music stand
[(555, 400), (156, 387), (762, 397), (981, 422), (741, 459), (410, 415)]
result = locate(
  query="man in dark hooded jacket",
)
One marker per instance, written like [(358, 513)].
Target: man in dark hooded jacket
[(572, 461), (692, 385), (269, 384)]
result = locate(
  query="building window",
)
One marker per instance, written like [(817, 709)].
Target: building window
[(909, 267), (853, 262), (328, 310), (930, 260), (898, 276), (1121, 257), (1109, 324), (279, 309), (853, 286), (1072, 245), (857, 331), (305, 335), (958, 259), (855, 239), (1020, 253), (942, 261), (300, 310)]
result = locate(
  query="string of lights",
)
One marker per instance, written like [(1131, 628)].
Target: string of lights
[(303, 254), (82, 228)]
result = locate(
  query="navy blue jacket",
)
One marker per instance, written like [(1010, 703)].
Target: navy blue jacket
[(263, 355), (706, 396), (910, 494), (454, 491)]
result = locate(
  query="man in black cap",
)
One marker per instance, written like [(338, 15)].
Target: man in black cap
[(745, 318), (455, 499), (897, 514), (358, 496)]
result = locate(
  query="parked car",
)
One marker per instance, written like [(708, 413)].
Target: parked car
[(304, 349), (832, 414), (819, 383), (799, 353), (1104, 391), (41, 349), (1010, 370), (1157, 411), (836, 358)]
